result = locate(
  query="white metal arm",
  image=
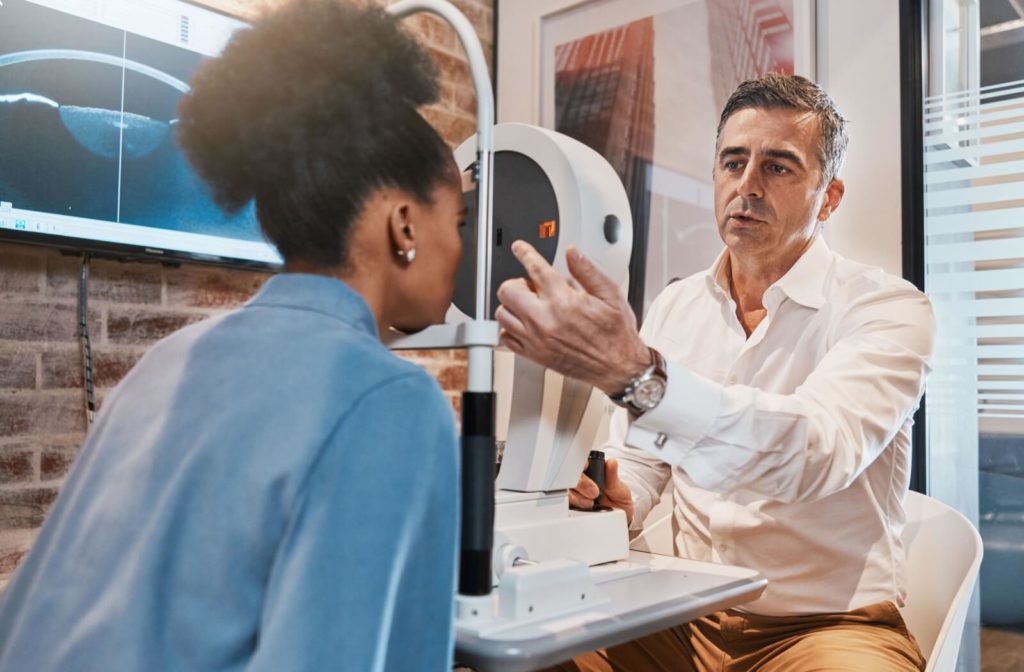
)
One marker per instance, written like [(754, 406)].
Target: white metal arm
[(480, 365), (484, 129)]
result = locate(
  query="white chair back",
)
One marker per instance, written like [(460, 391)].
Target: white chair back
[(943, 556)]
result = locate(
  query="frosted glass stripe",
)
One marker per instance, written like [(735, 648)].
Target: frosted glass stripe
[(965, 109), (1000, 85), (996, 330), (964, 222), (971, 92), (991, 193), (989, 114), (976, 281), (1001, 369), (955, 99), (970, 97), (1001, 351), (961, 128), (1000, 407), (1002, 385), (978, 250), (946, 121), (965, 113), (978, 307), (958, 174), (976, 133), (974, 151)]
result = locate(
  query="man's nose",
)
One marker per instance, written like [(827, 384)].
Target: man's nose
[(750, 184)]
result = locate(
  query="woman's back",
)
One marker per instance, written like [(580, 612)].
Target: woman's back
[(270, 489)]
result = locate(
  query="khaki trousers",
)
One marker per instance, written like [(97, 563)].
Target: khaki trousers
[(871, 639)]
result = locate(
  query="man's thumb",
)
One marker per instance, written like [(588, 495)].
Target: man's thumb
[(611, 473)]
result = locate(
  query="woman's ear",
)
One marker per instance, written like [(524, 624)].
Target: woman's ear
[(402, 230)]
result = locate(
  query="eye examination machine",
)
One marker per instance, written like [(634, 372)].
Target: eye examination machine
[(538, 582)]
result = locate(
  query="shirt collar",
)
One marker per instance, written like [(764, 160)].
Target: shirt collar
[(717, 277), (318, 293), (804, 282)]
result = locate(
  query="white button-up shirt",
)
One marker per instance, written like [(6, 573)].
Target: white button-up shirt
[(789, 450)]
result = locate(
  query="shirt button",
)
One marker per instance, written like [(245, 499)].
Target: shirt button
[(661, 440)]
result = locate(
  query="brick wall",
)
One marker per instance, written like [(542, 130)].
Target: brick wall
[(131, 306)]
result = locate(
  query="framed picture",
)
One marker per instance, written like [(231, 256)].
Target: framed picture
[(643, 83)]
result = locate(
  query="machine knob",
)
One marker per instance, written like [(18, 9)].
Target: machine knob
[(612, 229), (508, 556)]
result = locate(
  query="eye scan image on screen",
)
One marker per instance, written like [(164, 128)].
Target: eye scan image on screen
[(88, 156)]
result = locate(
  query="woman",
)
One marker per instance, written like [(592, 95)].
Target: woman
[(271, 489)]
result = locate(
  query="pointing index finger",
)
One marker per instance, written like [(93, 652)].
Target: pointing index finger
[(543, 276)]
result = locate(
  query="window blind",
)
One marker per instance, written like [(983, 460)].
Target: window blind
[(974, 247)]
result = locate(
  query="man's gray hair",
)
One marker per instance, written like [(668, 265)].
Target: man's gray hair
[(776, 91)]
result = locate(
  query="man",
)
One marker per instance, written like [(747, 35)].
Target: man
[(776, 390)]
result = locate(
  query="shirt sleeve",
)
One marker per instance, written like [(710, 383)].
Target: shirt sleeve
[(811, 443), (364, 578)]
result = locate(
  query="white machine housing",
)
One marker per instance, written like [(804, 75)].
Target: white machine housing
[(551, 421)]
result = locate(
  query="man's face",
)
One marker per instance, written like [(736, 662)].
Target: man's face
[(768, 198)]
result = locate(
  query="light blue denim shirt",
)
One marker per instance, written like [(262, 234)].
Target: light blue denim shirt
[(270, 489)]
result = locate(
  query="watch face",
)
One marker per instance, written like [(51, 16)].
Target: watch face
[(649, 393)]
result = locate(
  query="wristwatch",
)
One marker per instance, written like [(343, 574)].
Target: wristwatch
[(645, 391)]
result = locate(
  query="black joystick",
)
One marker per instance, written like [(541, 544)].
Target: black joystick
[(595, 472)]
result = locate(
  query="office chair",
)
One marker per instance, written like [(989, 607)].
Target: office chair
[(943, 556)]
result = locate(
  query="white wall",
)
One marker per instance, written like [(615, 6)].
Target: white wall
[(858, 49)]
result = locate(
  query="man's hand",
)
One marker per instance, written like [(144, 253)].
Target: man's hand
[(616, 493), (586, 332)]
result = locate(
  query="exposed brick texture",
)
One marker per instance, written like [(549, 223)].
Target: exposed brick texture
[(23, 271), (25, 507), (206, 288), (132, 305), (17, 367), (62, 367), (40, 413), (137, 326), (16, 465), (15, 543), (54, 463)]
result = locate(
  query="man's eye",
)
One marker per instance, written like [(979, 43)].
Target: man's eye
[(732, 165), (777, 169)]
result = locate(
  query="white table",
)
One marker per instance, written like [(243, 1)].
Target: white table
[(648, 593)]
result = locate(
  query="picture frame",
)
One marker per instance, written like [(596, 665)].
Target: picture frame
[(554, 68)]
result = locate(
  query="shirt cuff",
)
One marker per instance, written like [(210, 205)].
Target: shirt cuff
[(684, 416)]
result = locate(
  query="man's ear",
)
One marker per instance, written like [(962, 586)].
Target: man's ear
[(401, 229), (833, 197)]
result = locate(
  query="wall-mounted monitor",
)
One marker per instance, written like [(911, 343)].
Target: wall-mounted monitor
[(88, 156)]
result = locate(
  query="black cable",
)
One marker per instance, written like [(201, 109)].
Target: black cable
[(83, 338)]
